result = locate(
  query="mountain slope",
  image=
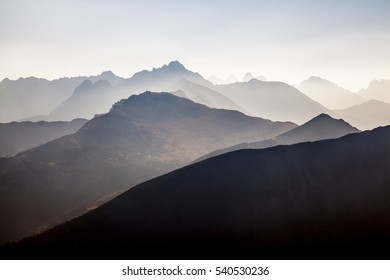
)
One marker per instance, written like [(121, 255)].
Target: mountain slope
[(321, 127), (87, 100), (140, 138), (27, 97), (204, 95), (16, 137), (329, 94), (273, 100), (321, 200), (378, 89), (90, 99), (161, 79), (368, 115)]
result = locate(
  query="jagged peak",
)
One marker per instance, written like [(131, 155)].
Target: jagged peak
[(174, 65)]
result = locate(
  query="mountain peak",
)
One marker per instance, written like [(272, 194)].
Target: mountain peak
[(320, 127), (175, 66), (315, 79), (323, 118), (107, 74), (247, 77)]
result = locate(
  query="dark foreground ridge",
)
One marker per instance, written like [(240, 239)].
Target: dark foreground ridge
[(320, 200)]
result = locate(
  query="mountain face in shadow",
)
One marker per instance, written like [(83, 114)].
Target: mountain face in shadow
[(204, 95), (329, 94), (378, 89), (28, 97), (321, 127), (316, 200), (141, 137), (273, 100), (16, 137), (368, 115)]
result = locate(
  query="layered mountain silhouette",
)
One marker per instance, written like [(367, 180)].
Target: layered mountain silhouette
[(378, 89), (321, 200), (218, 81), (321, 127), (28, 97), (329, 94), (247, 77), (96, 98), (16, 137), (204, 95), (273, 100), (368, 115), (87, 100), (141, 137), (161, 79)]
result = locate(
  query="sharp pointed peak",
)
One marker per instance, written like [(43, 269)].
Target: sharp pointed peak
[(175, 65)]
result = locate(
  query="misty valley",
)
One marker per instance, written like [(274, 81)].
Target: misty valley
[(167, 164)]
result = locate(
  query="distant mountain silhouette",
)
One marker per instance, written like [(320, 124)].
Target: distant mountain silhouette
[(378, 89), (204, 95), (161, 79), (368, 115), (218, 81), (321, 127), (27, 97), (320, 200), (97, 98), (262, 78), (16, 137), (247, 77), (87, 100), (273, 100), (141, 137), (329, 94)]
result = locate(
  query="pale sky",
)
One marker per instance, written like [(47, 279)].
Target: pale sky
[(347, 42)]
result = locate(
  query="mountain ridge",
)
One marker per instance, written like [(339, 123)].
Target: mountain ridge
[(141, 137), (319, 128), (282, 202)]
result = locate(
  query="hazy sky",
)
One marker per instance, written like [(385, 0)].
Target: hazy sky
[(347, 42)]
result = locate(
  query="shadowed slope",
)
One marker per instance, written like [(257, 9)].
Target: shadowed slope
[(320, 128), (325, 199), (141, 137), (16, 137)]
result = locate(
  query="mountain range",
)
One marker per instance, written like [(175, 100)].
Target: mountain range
[(368, 115), (91, 98), (16, 137), (140, 138), (83, 97), (273, 100), (321, 127), (29, 97), (377, 89), (316, 200), (329, 94), (204, 95)]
